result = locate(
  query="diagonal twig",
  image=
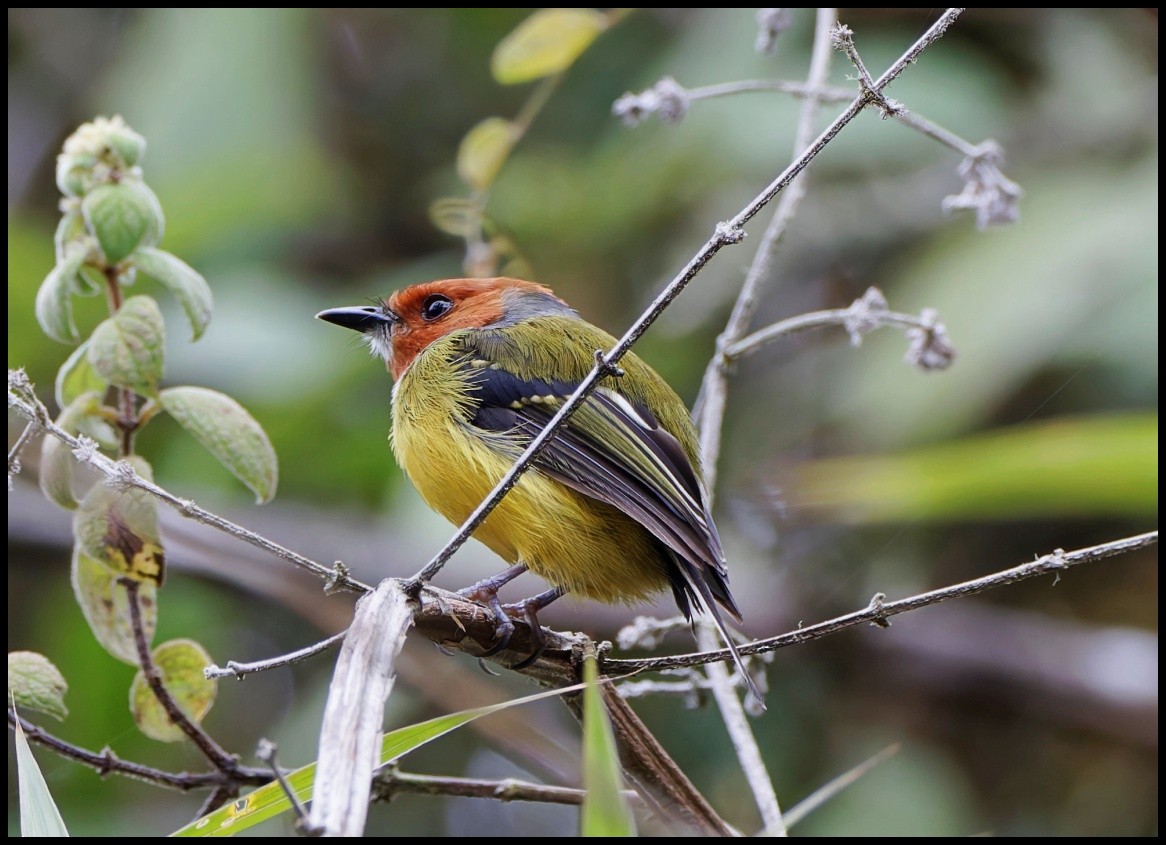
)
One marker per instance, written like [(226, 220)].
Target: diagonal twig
[(726, 233), (880, 610)]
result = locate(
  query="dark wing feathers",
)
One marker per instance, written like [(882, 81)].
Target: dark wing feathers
[(615, 451)]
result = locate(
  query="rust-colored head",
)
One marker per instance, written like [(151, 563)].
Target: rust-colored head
[(401, 327)]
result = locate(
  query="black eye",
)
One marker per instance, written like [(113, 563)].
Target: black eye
[(434, 306)]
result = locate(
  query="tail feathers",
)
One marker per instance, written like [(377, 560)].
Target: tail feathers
[(691, 589)]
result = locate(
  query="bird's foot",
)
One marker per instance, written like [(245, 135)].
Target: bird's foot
[(486, 592), (528, 610)]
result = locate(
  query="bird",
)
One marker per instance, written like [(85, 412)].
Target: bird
[(613, 509)]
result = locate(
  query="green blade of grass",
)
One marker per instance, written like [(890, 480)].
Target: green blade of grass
[(270, 800), (605, 809)]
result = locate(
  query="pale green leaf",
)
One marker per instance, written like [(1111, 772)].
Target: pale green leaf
[(70, 231), (34, 682), (122, 216), (54, 308), (57, 462), (547, 42), (228, 432), (270, 800), (605, 810), (105, 605), (456, 216), (183, 281), (128, 349), (77, 376), (484, 150), (181, 663), (39, 815)]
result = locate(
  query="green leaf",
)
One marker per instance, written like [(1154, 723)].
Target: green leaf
[(75, 172), (128, 349), (57, 462), (484, 150), (181, 663), (547, 42), (605, 809), (34, 682), (119, 528), (39, 815), (1083, 466), (69, 232), (456, 216), (228, 432), (183, 281), (270, 800), (77, 376), (54, 309), (123, 216), (105, 605)]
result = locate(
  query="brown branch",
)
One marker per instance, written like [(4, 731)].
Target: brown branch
[(880, 610), (127, 399), (389, 781), (218, 757), (23, 400), (105, 762)]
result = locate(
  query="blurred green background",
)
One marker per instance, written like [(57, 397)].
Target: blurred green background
[(295, 154)]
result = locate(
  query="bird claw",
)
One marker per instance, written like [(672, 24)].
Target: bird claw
[(529, 610), (504, 628)]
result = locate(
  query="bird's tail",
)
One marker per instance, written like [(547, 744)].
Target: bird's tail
[(694, 589)]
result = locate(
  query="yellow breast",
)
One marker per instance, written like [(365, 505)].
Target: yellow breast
[(569, 539)]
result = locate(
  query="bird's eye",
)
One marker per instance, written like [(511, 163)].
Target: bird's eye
[(434, 306)]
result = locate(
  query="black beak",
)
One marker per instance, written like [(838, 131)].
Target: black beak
[(362, 318)]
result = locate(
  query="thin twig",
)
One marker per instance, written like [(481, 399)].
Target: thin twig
[(715, 398), (105, 762), (266, 752), (844, 40), (818, 319), (828, 790), (390, 781), (127, 399), (218, 797), (218, 757), (14, 453), (729, 232), (671, 101), (880, 610), (22, 399), (241, 670)]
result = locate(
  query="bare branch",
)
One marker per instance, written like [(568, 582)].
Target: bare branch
[(828, 790), (843, 38), (24, 401), (726, 233), (770, 24), (266, 751), (879, 611), (930, 347), (105, 762), (14, 453), (389, 781), (205, 743), (241, 670)]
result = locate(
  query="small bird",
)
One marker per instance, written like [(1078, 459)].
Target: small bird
[(612, 509)]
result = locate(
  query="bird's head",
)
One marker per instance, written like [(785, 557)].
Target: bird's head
[(399, 328)]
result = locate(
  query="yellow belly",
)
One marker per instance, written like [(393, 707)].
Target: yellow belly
[(572, 541)]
